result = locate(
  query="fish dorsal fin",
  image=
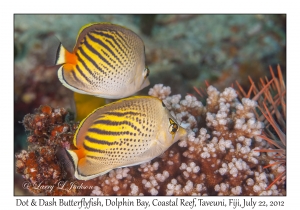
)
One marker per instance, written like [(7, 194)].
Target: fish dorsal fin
[(90, 26)]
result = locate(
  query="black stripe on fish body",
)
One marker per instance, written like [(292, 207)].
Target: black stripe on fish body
[(120, 114), (96, 158), (122, 38), (119, 45), (106, 122), (113, 38), (79, 55), (98, 141), (101, 43), (76, 79), (89, 58), (94, 51), (122, 55), (110, 133), (90, 149), (116, 123), (82, 74)]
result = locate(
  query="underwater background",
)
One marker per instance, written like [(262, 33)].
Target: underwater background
[(182, 51)]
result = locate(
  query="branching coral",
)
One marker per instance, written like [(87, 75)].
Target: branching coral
[(223, 153), (271, 98)]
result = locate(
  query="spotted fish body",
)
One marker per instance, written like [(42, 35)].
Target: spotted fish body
[(107, 61), (124, 133)]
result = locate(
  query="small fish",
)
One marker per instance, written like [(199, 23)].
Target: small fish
[(107, 61), (128, 132)]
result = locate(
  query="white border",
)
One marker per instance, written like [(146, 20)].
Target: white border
[(154, 6)]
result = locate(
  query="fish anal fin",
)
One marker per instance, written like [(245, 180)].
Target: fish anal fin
[(64, 75), (90, 168)]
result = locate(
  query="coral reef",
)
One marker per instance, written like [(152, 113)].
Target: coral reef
[(223, 154), (183, 49), (271, 98), (39, 164)]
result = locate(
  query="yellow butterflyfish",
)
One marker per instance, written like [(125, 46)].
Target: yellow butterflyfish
[(107, 61), (128, 132)]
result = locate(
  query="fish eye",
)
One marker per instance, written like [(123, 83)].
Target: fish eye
[(146, 72), (173, 127)]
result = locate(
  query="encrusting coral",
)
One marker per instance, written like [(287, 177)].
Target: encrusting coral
[(224, 152), (39, 165)]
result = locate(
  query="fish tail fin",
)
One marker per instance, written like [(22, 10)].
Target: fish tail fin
[(86, 168), (66, 162), (76, 155), (60, 55), (71, 157), (51, 53), (63, 56), (57, 54)]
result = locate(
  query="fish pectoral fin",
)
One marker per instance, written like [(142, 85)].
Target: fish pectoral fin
[(156, 149)]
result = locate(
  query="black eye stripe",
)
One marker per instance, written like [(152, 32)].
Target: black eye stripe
[(163, 104), (174, 127), (148, 72)]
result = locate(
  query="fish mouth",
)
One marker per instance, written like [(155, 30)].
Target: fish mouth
[(182, 133)]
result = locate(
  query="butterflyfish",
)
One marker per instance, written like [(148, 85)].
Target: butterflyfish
[(107, 61), (125, 133)]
